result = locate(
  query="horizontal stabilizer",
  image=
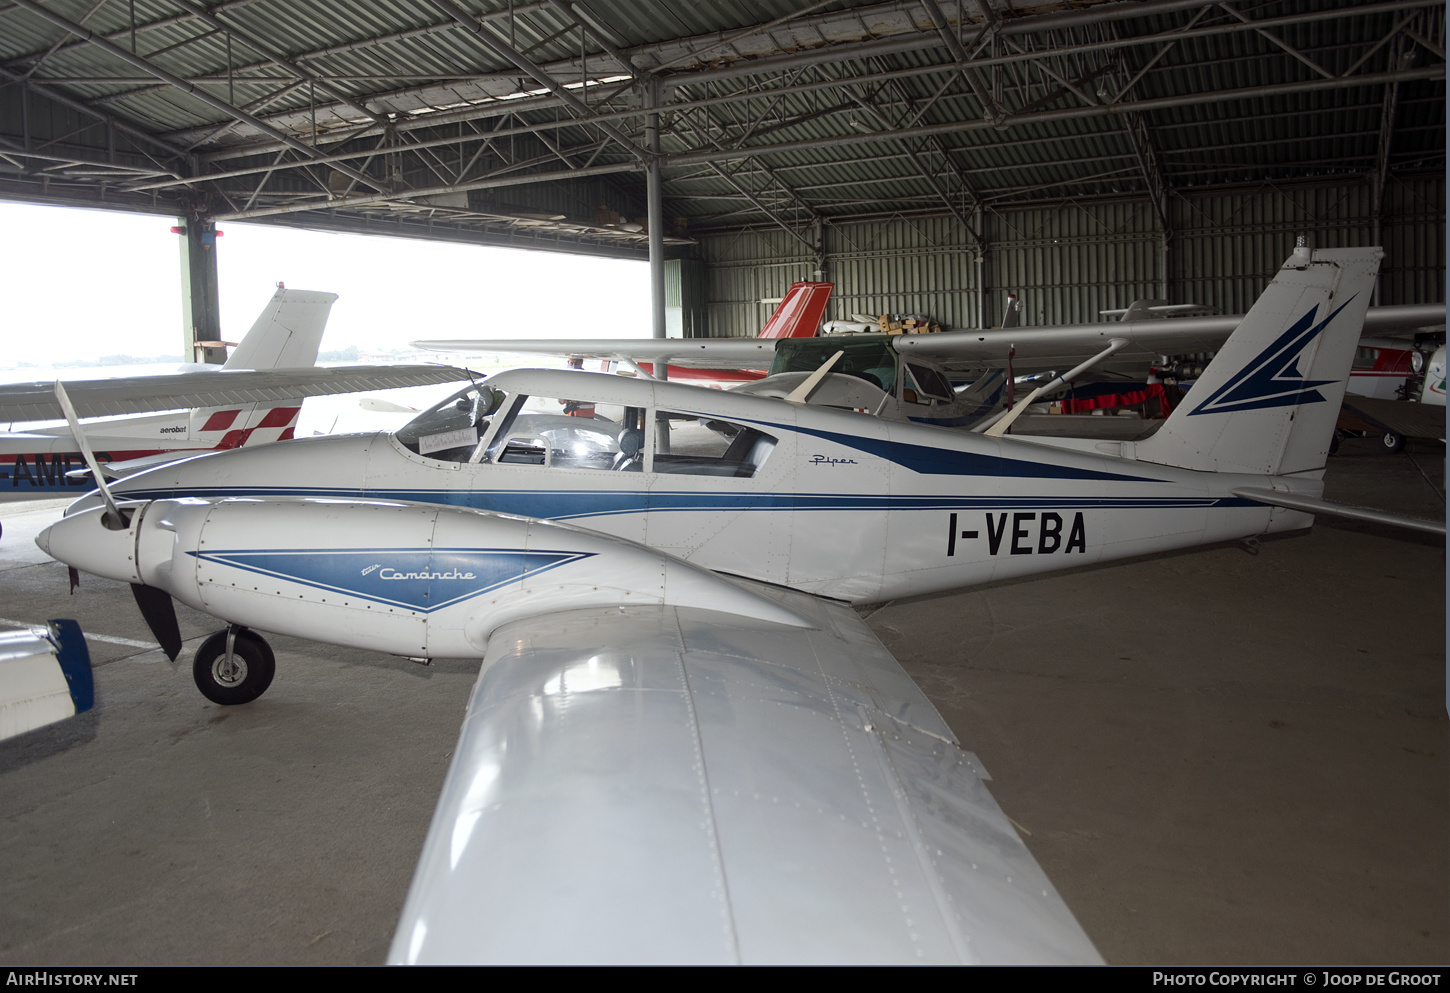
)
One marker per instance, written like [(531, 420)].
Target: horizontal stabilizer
[(1409, 420), (211, 388), (1311, 505)]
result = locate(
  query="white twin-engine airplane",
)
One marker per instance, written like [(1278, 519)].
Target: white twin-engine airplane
[(684, 745), (253, 398)]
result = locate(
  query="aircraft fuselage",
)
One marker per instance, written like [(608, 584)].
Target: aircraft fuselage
[(840, 504)]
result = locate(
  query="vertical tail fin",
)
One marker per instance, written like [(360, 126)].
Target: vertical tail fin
[(1268, 401), (287, 333), (799, 314)]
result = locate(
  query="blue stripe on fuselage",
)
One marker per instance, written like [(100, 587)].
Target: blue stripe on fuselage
[(559, 505)]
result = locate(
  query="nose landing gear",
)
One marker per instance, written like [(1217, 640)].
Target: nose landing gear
[(233, 666)]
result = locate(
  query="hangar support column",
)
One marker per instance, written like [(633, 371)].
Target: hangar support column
[(200, 311), (656, 216)]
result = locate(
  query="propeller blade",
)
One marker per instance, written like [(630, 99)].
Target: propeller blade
[(160, 614), (113, 518)]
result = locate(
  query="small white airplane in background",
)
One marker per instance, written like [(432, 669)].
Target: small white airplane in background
[(683, 745), (254, 398)]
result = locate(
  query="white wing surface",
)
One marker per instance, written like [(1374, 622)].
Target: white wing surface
[(693, 353), (665, 784), (1067, 344), (210, 388)]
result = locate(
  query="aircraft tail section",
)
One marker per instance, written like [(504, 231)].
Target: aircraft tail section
[(799, 314), (1268, 401), (287, 333)]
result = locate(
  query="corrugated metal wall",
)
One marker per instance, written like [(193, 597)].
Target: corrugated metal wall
[(1067, 261)]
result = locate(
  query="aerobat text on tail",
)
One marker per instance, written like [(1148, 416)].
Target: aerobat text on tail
[(682, 745)]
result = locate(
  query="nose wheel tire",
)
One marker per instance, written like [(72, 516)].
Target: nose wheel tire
[(240, 679), (1391, 443)]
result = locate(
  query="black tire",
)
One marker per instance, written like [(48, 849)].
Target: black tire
[(1390, 443), (254, 666), (1334, 440)]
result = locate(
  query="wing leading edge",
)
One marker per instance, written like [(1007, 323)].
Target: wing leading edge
[(210, 388), (715, 789)]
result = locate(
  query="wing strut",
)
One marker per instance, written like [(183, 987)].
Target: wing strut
[(997, 428)]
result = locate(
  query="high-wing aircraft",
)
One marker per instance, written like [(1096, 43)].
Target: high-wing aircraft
[(683, 744), (798, 315), (910, 376), (253, 398)]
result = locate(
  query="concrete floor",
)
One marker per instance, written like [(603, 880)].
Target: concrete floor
[(1217, 757)]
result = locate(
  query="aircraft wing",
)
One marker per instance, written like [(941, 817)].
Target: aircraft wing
[(692, 353), (714, 789), (45, 676), (141, 394), (1067, 344)]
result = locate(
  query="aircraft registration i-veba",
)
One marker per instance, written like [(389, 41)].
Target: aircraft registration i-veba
[(683, 744)]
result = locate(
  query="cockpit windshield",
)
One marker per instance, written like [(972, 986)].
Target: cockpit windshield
[(872, 359), (449, 431)]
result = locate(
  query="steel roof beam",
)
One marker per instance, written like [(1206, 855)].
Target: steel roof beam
[(275, 58), (428, 191), (990, 110), (146, 66), (837, 53), (572, 12), (477, 30), (790, 194), (126, 128), (1100, 110)]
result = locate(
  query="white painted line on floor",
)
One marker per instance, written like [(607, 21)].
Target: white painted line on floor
[(129, 642)]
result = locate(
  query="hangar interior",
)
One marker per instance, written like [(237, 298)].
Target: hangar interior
[(926, 156)]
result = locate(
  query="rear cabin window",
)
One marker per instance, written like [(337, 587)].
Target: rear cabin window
[(930, 382), (686, 444)]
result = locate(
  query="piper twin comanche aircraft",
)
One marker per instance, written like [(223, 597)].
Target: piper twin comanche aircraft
[(683, 744), (252, 399)]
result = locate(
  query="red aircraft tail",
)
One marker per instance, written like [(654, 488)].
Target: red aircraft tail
[(800, 312)]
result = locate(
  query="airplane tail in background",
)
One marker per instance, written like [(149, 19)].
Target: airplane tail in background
[(287, 333), (1268, 401), (800, 312)]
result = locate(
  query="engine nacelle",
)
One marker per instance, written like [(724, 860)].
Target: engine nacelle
[(409, 579)]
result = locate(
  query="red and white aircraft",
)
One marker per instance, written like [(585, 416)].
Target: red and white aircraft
[(254, 398)]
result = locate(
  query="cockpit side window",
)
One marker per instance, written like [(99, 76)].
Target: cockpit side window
[(567, 433), (691, 445)]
